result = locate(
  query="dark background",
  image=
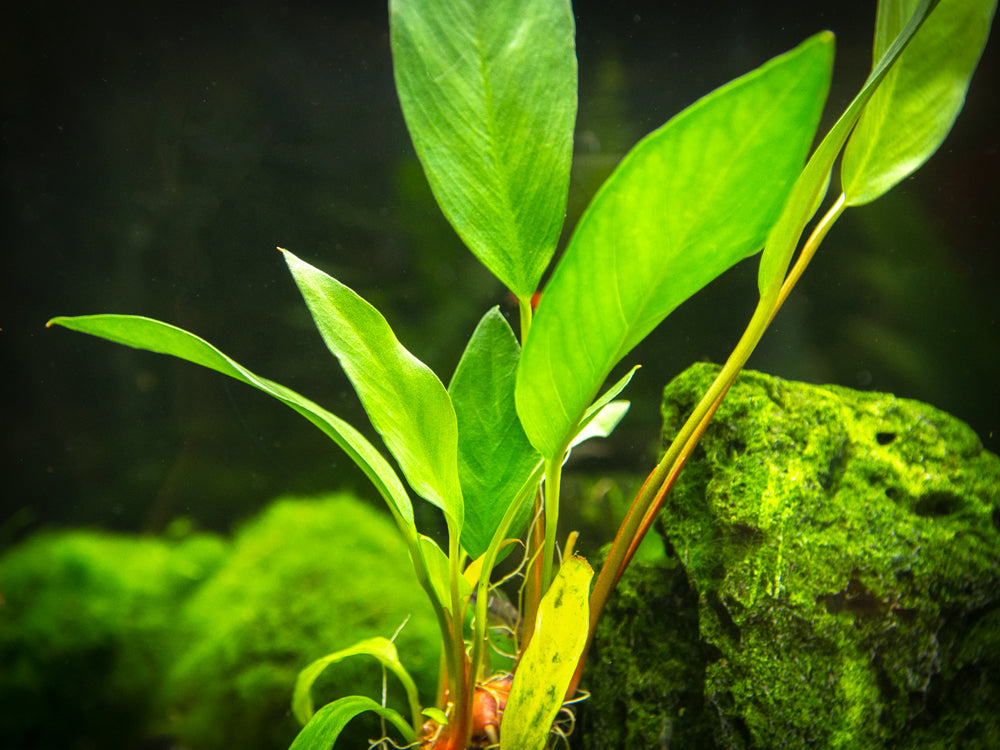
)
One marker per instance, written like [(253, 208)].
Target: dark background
[(154, 157)]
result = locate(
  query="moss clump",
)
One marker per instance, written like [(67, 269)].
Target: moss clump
[(843, 550), (304, 579), (111, 641), (86, 624), (646, 669)]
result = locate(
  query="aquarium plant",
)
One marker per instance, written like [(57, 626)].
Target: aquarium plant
[(488, 92)]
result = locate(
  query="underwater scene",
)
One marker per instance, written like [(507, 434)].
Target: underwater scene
[(650, 352)]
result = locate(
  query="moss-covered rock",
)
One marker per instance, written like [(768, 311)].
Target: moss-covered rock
[(86, 626), (842, 554), (646, 669), (304, 579)]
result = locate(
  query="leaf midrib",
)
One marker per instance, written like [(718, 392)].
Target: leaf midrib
[(512, 227)]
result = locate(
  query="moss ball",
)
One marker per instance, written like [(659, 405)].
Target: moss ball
[(87, 621), (305, 578)]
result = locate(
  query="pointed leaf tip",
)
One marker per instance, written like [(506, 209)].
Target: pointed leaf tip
[(489, 94), (914, 108), (405, 401)]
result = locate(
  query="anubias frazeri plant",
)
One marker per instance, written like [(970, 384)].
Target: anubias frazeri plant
[(488, 91)]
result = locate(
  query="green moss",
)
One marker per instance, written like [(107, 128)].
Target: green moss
[(86, 622), (646, 668), (850, 537), (304, 579), (108, 640), (843, 548)]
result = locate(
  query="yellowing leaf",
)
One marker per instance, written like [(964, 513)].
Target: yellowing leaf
[(550, 659)]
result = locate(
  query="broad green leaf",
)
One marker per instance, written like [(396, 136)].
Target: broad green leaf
[(915, 106), (404, 399), (685, 204), (162, 338), (494, 455), (810, 187), (381, 649), (488, 91), (548, 663), (326, 725)]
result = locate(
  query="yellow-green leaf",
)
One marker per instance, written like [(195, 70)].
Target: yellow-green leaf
[(549, 661), (163, 338), (688, 202), (404, 399), (810, 187)]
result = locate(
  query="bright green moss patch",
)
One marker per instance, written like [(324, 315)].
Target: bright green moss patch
[(843, 549), (86, 623), (109, 640)]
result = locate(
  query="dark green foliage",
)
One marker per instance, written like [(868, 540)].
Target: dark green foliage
[(86, 623), (842, 550), (304, 579)]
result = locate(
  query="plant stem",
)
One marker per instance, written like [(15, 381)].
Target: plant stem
[(423, 579), (488, 561), (533, 574), (668, 482), (553, 475), (809, 250), (650, 497), (524, 307), (461, 686)]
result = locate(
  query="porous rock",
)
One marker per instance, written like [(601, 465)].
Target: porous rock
[(831, 580)]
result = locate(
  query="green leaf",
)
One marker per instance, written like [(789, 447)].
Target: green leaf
[(603, 422), (548, 663), (915, 106), (436, 714), (598, 406), (811, 185), (381, 649), (404, 399), (162, 338), (327, 724), (488, 91), (685, 204), (494, 455), (439, 572)]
